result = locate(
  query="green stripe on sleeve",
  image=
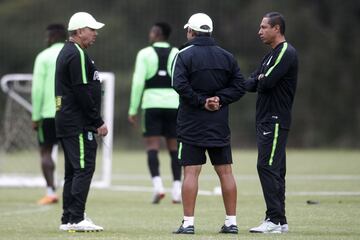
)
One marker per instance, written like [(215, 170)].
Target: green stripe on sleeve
[(278, 59), (180, 150), (276, 134), (82, 61), (82, 153)]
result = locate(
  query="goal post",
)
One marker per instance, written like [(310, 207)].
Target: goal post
[(108, 110), (17, 117)]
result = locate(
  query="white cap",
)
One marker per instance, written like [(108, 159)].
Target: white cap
[(198, 20), (83, 19)]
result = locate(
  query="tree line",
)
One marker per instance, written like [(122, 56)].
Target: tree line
[(324, 32)]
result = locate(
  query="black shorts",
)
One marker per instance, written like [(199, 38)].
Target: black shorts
[(194, 155), (46, 132), (159, 122)]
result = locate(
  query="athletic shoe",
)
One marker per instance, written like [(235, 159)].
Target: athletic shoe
[(185, 230), (176, 192), (65, 227), (85, 225), (176, 196), (267, 227), (285, 228), (48, 200), (157, 197), (233, 229)]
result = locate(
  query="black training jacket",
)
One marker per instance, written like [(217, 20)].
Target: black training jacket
[(200, 70), (77, 92), (277, 89)]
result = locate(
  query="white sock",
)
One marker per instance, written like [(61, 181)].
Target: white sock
[(188, 221), (176, 191), (50, 191), (177, 185), (158, 185), (230, 220)]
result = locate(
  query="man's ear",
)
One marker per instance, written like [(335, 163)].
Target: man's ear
[(277, 28)]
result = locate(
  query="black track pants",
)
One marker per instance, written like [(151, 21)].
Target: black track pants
[(80, 154), (271, 166)]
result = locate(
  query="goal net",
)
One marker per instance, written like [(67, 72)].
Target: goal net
[(19, 155)]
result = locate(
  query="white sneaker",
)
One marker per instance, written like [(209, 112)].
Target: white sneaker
[(176, 192), (86, 225), (159, 191), (267, 227), (65, 227), (285, 228), (157, 196)]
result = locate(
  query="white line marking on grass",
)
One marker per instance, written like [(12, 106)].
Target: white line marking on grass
[(334, 177), (26, 211), (9, 180), (323, 193), (126, 188)]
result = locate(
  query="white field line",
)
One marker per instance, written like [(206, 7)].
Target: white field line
[(335, 177), (31, 180), (29, 210), (35, 181), (126, 188), (324, 193), (215, 192)]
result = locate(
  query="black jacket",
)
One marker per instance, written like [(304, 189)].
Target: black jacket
[(77, 91), (277, 89), (201, 70)]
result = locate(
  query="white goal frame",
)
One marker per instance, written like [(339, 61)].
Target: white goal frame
[(108, 80)]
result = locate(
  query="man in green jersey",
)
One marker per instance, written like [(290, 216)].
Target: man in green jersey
[(151, 85), (43, 103)]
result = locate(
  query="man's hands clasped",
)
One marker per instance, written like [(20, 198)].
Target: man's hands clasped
[(212, 104)]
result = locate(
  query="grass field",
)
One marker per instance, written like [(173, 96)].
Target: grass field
[(330, 177)]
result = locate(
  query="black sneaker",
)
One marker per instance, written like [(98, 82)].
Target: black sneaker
[(233, 229), (187, 230)]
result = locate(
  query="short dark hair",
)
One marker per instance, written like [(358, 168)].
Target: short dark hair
[(165, 29), (57, 32), (276, 18), (202, 34)]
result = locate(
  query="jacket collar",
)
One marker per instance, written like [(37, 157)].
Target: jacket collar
[(279, 45), (200, 41)]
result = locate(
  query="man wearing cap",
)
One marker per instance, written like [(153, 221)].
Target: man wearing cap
[(151, 85), (207, 79), (78, 101)]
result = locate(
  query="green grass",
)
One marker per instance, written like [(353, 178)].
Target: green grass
[(129, 215)]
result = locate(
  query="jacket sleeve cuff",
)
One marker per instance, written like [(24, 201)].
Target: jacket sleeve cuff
[(132, 111), (98, 123), (36, 118), (202, 101)]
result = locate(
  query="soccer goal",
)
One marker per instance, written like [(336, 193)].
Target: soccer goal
[(19, 157)]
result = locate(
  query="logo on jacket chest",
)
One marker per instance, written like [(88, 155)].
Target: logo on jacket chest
[(96, 76)]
